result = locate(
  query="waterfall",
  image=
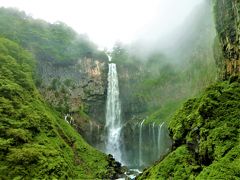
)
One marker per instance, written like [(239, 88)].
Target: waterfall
[(65, 118), (113, 124), (140, 144), (153, 138), (91, 130), (159, 139)]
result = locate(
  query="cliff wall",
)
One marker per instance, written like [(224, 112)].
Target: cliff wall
[(78, 89), (227, 15)]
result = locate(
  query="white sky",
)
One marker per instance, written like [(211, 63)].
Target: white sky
[(107, 21)]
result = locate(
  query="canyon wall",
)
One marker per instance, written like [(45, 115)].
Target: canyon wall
[(79, 89), (227, 15)]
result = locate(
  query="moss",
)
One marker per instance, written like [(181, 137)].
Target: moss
[(208, 128), (35, 142), (180, 164)]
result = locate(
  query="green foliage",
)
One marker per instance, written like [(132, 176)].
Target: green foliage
[(67, 82), (55, 84), (51, 42), (227, 167), (227, 16), (83, 109), (180, 164), (209, 126), (35, 142)]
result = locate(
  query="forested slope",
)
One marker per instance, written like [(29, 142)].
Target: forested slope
[(49, 42), (35, 141), (70, 71)]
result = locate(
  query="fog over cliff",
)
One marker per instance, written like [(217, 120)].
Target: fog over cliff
[(107, 21)]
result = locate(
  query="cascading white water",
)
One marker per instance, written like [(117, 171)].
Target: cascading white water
[(113, 114), (153, 138), (159, 138), (140, 144)]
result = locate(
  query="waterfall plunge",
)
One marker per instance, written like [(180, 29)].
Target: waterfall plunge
[(113, 114)]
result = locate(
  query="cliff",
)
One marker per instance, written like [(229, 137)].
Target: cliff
[(205, 133), (154, 85), (205, 130), (227, 15), (70, 73), (36, 142), (78, 89)]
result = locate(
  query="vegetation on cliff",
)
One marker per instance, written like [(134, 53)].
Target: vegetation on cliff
[(70, 71), (227, 15), (206, 133), (205, 130), (155, 84), (35, 141), (49, 42)]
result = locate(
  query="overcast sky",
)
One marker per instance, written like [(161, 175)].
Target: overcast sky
[(107, 21)]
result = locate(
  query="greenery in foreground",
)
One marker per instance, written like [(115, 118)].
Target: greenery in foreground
[(206, 137), (35, 142)]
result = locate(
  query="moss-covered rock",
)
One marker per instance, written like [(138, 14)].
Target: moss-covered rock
[(180, 164), (227, 15), (208, 129)]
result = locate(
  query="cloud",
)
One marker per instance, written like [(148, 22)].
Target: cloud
[(107, 21)]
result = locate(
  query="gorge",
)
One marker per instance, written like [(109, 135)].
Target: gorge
[(161, 108)]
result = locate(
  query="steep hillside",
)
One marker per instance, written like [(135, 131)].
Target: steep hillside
[(205, 131), (35, 141), (70, 72)]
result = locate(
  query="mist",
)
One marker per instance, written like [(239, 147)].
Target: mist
[(162, 54), (109, 21), (121, 76), (177, 32)]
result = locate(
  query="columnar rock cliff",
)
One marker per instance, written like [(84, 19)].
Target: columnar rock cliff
[(228, 27), (78, 88)]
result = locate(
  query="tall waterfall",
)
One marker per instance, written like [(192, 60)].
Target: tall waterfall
[(113, 114)]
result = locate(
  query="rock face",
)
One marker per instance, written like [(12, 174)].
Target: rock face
[(129, 78), (205, 130), (227, 25), (78, 88)]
